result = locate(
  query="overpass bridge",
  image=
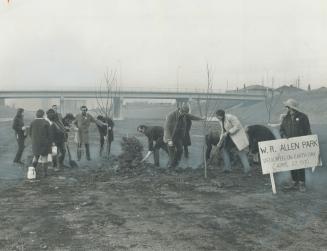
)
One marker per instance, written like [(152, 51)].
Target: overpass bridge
[(180, 95)]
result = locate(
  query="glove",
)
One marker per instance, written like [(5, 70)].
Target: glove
[(109, 128), (105, 137), (23, 128), (170, 143)]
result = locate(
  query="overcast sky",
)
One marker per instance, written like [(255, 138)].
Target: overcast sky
[(51, 44)]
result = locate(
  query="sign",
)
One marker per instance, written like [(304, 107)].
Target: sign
[(289, 154)]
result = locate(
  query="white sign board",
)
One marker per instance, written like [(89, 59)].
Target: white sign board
[(289, 154)]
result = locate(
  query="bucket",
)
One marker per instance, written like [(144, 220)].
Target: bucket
[(31, 174), (54, 151)]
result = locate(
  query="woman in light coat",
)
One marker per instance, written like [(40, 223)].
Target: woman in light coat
[(233, 134)]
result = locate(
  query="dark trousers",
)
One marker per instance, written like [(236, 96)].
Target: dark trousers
[(159, 144), (41, 170), (186, 151), (87, 150), (61, 154), (298, 175), (175, 153), (21, 146), (102, 144), (208, 151)]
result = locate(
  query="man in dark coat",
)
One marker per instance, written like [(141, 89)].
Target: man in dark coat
[(106, 132), (57, 138), (155, 135), (174, 133), (20, 133), (41, 145), (295, 124)]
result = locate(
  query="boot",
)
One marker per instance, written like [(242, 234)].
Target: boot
[(291, 186), (302, 188), (87, 149)]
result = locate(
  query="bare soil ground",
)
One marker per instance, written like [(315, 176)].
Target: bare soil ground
[(95, 207)]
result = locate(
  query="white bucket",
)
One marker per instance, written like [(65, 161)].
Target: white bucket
[(31, 174), (54, 151)]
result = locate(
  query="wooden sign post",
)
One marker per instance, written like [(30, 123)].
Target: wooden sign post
[(289, 154)]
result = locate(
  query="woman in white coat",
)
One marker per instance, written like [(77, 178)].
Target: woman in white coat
[(232, 134)]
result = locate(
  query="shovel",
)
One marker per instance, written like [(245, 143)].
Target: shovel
[(72, 163)]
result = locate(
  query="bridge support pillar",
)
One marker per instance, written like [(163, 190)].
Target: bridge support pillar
[(62, 105), (117, 107), (181, 101), (2, 102)]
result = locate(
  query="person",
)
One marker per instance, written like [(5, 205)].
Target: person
[(174, 133), (106, 132), (233, 135), (211, 139), (57, 138), (257, 133), (295, 124), (41, 147), (58, 117), (83, 122), (155, 135), (20, 133)]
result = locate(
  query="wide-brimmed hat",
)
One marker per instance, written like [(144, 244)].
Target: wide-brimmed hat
[(292, 103)]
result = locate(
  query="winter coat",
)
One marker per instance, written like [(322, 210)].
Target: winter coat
[(295, 125), (236, 131), (18, 124), (258, 133), (103, 129), (175, 126), (187, 136), (153, 133), (40, 135), (83, 123), (57, 134)]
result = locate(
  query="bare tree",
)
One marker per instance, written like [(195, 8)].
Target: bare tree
[(105, 94), (207, 114), (272, 97)]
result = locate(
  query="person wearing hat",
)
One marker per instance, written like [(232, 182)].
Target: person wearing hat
[(154, 135), (83, 122), (175, 131), (41, 144), (233, 135), (295, 124), (20, 129)]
